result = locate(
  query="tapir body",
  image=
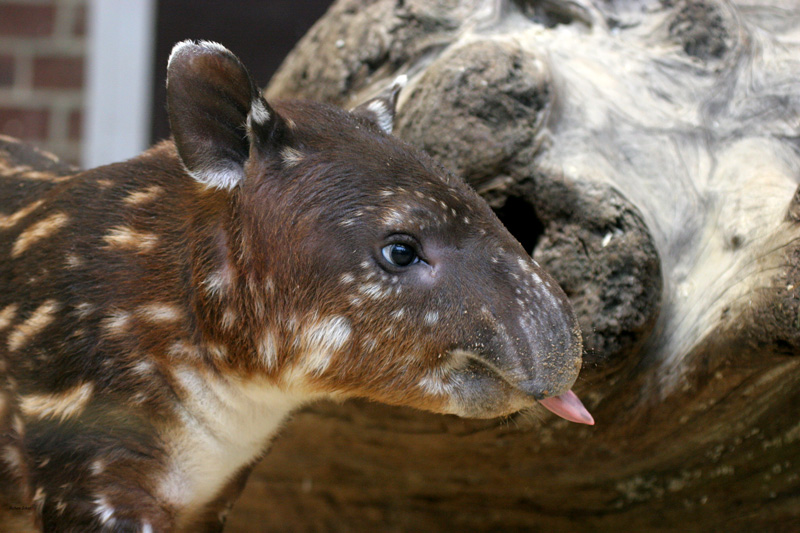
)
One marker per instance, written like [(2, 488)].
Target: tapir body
[(161, 317)]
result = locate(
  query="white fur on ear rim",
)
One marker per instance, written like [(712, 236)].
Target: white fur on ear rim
[(258, 113), (188, 44), (219, 177), (381, 109), (384, 117), (399, 83)]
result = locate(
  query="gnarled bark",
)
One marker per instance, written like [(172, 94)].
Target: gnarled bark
[(647, 153)]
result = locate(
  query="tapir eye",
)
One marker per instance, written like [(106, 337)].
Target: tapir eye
[(400, 254)]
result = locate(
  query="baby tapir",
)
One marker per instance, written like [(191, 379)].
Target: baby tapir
[(161, 317)]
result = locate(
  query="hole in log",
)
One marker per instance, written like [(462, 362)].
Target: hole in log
[(699, 26), (551, 14), (520, 219)]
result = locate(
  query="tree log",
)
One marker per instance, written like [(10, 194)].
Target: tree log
[(647, 153)]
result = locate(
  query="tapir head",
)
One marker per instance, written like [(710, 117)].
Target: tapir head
[(365, 269)]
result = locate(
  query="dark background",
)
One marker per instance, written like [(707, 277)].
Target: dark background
[(260, 32)]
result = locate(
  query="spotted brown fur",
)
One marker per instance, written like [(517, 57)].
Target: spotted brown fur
[(160, 318)]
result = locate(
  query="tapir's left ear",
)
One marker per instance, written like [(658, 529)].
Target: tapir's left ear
[(216, 113), (381, 109)]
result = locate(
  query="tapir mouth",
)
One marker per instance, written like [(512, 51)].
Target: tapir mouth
[(566, 405)]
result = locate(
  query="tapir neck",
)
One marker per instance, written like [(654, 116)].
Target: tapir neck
[(225, 425)]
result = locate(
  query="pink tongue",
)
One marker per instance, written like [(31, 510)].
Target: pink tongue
[(568, 406)]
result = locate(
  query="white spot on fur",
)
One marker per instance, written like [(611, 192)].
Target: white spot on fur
[(346, 279), (147, 528), (12, 457), (431, 317), (139, 398), (143, 367), (62, 405), (7, 315), (267, 350), (160, 312), (116, 323), (38, 231), (398, 313), (322, 339), (291, 157), (217, 351), (369, 343), (33, 325), (435, 384), (73, 260), (97, 467), (180, 349), (143, 196), (38, 499), (373, 290), (229, 318), (8, 221), (84, 309), (104, 511), (18, 425), (395, 217), (125, 238), (331, 333)]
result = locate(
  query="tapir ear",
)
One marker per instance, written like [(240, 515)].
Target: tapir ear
[(215, 111), (381, 109)]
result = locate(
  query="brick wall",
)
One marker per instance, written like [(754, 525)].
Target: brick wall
[(42, 49)]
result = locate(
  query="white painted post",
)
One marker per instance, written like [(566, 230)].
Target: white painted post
[(120, 56)]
